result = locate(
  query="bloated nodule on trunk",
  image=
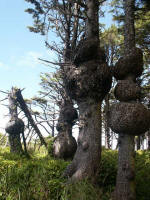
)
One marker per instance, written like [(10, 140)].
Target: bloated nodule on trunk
[(127, 90), (131, 64), (87, 157), (14, 128), (65, 144), (91, 78), (87, 82), (129, 118), (88, 49)]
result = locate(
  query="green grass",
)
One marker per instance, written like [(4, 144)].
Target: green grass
[(40, 177)]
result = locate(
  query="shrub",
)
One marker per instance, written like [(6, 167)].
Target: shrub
[(40, 178), (142, 178)]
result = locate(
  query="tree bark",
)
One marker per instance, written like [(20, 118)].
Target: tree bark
[(125, 187), (15, 126), (15, 143), (65, 144), (87, 158), (89, 80), (148, 140), (107, 129), (29, 116), (129, 30), (138, 142)]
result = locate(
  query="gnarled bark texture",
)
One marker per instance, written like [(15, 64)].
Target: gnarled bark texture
[(65, 144), (15, 126), (88, 81), (128, 117), (86, 160), (125, 187)]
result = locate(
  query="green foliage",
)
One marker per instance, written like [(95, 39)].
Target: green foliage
[(143, 175), (36, 178), (50, 146), (3, 139), (40, 178), (82, 190), (108, 170)]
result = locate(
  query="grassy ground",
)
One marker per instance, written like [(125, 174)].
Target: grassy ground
[(40, 178)]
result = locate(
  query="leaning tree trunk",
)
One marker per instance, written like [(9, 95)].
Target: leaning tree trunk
[(88, 81), (24, 108), (15, 126), (128, 117)]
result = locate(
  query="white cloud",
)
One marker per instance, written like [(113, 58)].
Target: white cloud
[(30, 59)]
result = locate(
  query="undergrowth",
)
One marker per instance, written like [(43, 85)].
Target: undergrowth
[(40, 178)]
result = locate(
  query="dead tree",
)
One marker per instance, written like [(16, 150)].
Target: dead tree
[(24, 108)]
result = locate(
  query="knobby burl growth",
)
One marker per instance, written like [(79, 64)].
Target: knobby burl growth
[(65, 144), (128, 118), (88, 80), (15, 126)]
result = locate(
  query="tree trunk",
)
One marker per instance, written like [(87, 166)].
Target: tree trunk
[(125, 187), (15, 143), (65, 144), (138, 142), (148, 138), (128, 117), (25, 109), (87, 158), (107, 129), (15, 125), (129, 30), (88, 81)]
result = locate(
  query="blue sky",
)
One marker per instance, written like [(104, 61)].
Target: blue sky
[(19, 50)]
